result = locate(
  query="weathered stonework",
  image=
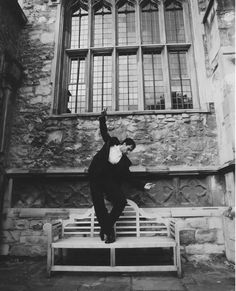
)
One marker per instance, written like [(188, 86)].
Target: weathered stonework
[(39, 141), (199, 237), (75, 192)]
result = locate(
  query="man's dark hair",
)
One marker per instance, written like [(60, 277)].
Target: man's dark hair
[(129, 141)]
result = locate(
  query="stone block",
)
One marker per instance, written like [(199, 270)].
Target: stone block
[(47, 37), (199, 258), (36, 224), (170, 119), (220, 237), (34, 240), (42, 90), (35, 100), (201, 249), (194, 249), (8, 223), (197, 223), (187, 237), (10, 236), (27, 250), (55, 137), (4, 249), (21, 224), (215, 222), (206, 235), (214, 249)]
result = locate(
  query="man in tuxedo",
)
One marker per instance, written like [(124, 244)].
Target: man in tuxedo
[(107, 171)]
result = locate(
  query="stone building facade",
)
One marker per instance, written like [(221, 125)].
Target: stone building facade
[(11, 74), (188, 152)]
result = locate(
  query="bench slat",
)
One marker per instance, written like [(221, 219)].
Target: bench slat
[(121, 242), (151, 268)]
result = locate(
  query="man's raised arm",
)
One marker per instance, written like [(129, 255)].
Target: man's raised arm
[(103, 127)]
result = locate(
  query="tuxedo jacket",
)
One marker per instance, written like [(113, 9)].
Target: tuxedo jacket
[(101, 168)]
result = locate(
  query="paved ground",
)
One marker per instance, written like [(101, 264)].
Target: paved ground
[(25, 275)]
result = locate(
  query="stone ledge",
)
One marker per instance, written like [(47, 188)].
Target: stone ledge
[(177, 212), (139, 170), (122, 113)]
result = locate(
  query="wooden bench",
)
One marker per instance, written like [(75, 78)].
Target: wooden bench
[(134, 230)]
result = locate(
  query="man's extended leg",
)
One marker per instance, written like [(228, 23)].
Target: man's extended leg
[(118, 200), (99, 205)]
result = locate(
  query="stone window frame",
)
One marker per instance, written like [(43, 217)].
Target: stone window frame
[(61, 61)]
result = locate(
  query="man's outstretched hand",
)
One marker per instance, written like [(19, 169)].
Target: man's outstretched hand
[(104, 112), (149, 186)]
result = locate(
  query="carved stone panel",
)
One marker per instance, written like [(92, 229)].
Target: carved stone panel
[(75, 192)]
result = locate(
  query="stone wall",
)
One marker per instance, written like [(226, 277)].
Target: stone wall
[(201, 237), (39, 141), (23, 233), (219, 25), (12, 20)]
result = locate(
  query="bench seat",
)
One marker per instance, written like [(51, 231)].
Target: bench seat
[(135, 229), (121, 242)]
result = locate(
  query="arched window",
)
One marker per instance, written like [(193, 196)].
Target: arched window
[(130, 55), (150, 27), (102, 27), (126, 23), (79, 29)]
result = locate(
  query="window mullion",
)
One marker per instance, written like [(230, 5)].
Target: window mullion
[(164, 55), (187, 25), (166, 74), (89, 63), (140, 60), (114, 60), (114, 80), (89, 81), (77, 85)]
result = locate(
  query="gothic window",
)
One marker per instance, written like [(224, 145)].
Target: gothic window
[(126, 24), (150, 22), (130, 55), (102, 27), (79, 29)]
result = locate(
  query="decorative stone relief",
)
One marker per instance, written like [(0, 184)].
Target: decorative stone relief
[(75, 193)]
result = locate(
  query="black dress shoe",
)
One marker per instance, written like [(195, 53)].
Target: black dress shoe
[(110, 238)]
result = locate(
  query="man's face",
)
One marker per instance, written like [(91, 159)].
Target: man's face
[(125, 149)]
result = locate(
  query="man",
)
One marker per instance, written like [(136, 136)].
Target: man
[(108, 170)]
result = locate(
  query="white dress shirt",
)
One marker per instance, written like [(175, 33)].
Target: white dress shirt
[(115, 154)]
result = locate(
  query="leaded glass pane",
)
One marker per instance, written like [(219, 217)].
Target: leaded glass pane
[(79, 29), (181, 92), (126, 25), (102, 27), (102, 83), (128, 84), (174, 22), (76, 88), (153, 82), (150, 24)]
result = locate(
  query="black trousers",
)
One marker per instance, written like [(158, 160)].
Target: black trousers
[(112, 189)]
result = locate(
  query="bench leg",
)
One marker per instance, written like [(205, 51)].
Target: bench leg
[(179, 270), (112, 257), (50, 253)]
